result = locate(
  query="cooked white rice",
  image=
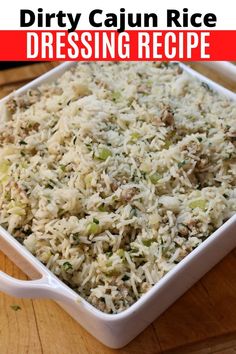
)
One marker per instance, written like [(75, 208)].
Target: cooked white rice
[(114, 173)]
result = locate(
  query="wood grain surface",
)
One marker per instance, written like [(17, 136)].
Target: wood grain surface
[(202, 321)]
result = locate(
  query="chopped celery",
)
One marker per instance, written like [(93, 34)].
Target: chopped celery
[(102, 208), (113, 273), (155, 177), (121, 252), (45, 256), (93, 228), (63, 168), (198, 203), (167, 144), (17, 210), (4, 180), (115, 96), (4, 167), (148, 242), (88, 180), (135, 136), (23, 165), (103, 154)]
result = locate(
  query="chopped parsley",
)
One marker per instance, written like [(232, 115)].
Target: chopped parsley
[(15, 307)]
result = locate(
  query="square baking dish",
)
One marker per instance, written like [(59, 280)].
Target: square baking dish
[(228, 69), (114, 330)]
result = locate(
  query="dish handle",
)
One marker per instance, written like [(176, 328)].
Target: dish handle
[(45, 287)]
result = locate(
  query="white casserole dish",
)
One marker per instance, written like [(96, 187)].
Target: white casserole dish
[(222, 67), (118, 329)]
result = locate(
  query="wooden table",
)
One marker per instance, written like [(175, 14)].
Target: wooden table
[(202, 321)]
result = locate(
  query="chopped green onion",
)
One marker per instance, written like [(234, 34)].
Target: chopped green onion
[(181, 163), (206, 86), (15, 307), (134, 250), (67, 266), (89, 146), (76, 237), (134, 212), (63, 168), (96, 221), (22, 142), (51, 184)]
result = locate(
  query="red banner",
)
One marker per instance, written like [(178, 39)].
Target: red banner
[(111, 45)]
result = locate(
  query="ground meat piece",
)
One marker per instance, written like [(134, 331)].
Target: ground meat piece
[(183, 230), (157, 121), (192, 146), (98, 303), (179, 70), (32, 127), (14, 186), (231, 135), (202, 163), (11, 106), (57, 91), (144, 89), (50, 91), (23, 102), (128, 194), (114, 186), (81, 90), (167, 116), (33, 96), (6, 138)]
